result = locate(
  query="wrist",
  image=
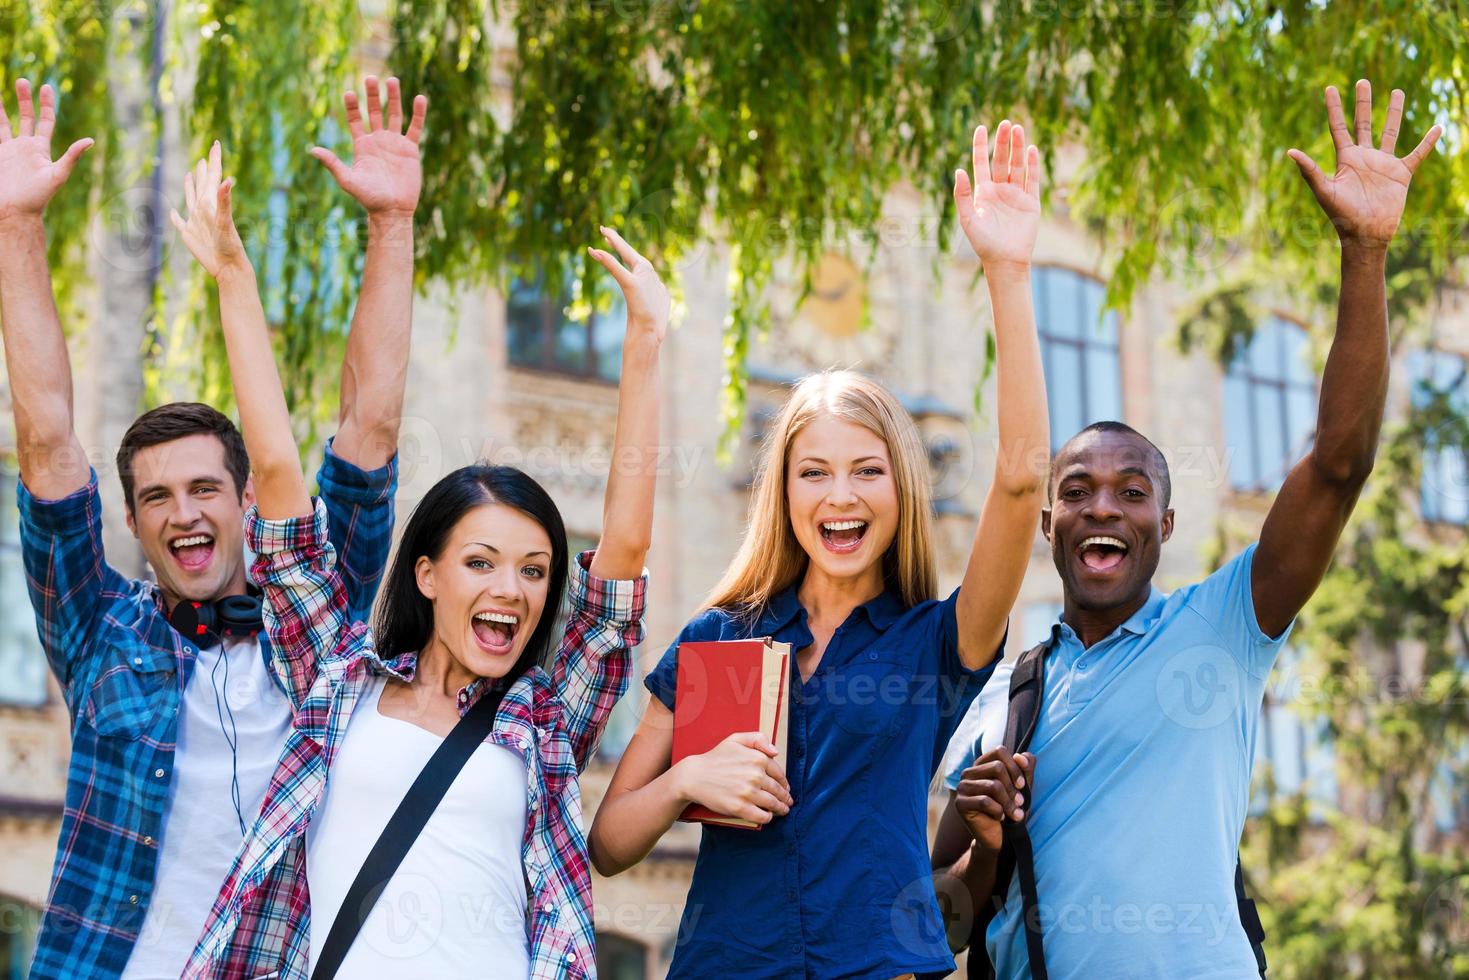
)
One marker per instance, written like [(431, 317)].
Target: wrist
[(1364, 249), (641, 346), (234, 273), (14, 223), (1006, 271), (679, 780)]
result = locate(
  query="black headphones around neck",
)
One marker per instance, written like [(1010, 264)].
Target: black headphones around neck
[(233, 616)]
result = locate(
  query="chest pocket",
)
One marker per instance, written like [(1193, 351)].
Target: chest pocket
[(872, 693), (131, 692)]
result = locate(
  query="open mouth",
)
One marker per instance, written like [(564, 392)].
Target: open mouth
[(843, 537), (495, 631), (193, 552), (1102, 554)]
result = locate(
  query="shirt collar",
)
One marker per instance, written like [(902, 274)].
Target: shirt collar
[(882, 611), (1138, 624)]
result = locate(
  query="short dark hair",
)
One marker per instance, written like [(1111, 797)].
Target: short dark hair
[(405, 616), (1160, 462), (179, 420)]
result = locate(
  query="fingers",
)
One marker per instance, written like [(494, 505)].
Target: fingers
[(178, 223), (216, 162), (191, 200), (1336, 119), (374, 105), (964, 193), (753, 740), (73, 153), (330, 160), (46, 122), (222, 204), (1424, 147), (779, 790), (981, 156), (1394, 121), (770, 803), (1315, 179), (202, 188), (1017, 155), (777, 772), (1033, 172), (395, 106), (629, 254), (1000, 170), (980, 804), (1362, 112), (24, 110), (1010, 802), (354, 114), (608, 262), (420, 110)]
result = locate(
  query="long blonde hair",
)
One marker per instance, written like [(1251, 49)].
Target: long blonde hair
[(770, 558)]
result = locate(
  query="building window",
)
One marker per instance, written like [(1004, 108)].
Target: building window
[(22, 664), (19, 923), (1079, 351), (1296, 748), (541, 335), (1441, 382), (621, 958), (1269, 406)]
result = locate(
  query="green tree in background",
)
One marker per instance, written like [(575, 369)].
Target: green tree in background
[(777, 128)]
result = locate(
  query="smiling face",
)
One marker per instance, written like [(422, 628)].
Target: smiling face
[(189, 516), (843, 497), (1108, 519), (489, 587)]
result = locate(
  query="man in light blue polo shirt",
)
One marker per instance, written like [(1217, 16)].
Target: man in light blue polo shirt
[(1139, 766)]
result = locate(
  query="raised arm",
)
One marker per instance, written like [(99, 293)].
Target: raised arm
[(1000, 214), (627, 509), (52, 463), (1364, 200), (385, 178), (210, 234)]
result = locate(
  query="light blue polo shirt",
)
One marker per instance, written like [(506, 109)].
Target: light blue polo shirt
[(1143, 756)]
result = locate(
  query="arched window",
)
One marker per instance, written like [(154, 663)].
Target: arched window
[(1079, 351), (1269, 406)]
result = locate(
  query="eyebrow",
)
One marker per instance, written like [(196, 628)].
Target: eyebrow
[(818, 459), (1125, 471), (529, 554), (198, 481)]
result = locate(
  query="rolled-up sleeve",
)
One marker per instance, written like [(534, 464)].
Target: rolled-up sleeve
[(360, 511), (306, 607), (593, 665)]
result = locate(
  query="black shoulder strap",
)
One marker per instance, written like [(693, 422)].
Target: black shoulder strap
[(1026, 689), (403, 828), (1249, 917)]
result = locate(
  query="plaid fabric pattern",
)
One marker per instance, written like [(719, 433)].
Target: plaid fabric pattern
[(122, 670), (260, 924)]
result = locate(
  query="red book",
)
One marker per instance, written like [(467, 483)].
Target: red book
[(725, 687)]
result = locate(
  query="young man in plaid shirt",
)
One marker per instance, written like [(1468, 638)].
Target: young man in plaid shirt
[(174, 737)]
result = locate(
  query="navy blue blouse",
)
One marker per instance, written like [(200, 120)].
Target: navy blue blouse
[(841, 886)]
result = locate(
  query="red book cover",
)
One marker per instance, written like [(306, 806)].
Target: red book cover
[(724, 687)]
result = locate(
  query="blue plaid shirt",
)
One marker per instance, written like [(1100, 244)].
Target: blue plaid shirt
[(123, 670)]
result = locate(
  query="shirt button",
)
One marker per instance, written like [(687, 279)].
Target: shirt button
[(872, 655), (158, 773), (571, 957), (795, 947), (138, 661), (132, 900), (147, 842)]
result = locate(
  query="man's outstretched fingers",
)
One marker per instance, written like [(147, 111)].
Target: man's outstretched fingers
[(25, 112), (420, 110), (46, 121), (395, 106), (331, 161), (1424, 147)]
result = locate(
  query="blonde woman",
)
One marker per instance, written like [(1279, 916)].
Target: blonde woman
[(838, 562)]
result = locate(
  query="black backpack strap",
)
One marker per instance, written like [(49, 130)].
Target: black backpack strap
[(403, 828), (1026, 689), (1249, 917)]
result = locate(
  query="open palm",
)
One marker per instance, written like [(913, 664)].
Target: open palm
[(1365, 197), (210, 232), (29, 178), (1000, 209), (386, 173)]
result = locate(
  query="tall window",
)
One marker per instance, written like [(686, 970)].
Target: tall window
[(22, 664), (1079, 350), (1269, 406), (1443, 378), (1294, 744), (542, 336)]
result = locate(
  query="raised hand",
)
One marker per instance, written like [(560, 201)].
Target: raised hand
[(28, 176), (648, 304), (1364, 198), (210, 231), (738, 777), (1000, 210), (386, 173)]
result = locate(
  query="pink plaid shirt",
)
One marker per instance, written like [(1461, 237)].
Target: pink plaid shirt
[(260, 923)]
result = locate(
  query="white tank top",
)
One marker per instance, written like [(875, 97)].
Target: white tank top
[(456, 907)]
